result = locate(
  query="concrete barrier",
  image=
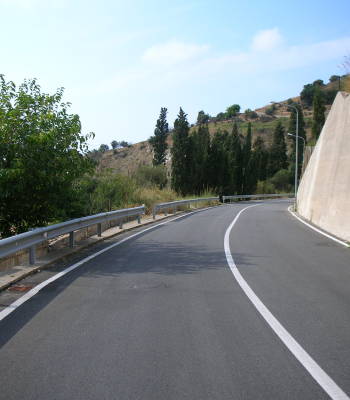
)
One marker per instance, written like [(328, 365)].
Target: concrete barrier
[(324, 192)]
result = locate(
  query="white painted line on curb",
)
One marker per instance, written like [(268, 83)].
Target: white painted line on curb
[(12, 307), (320, 376), (317, 230)]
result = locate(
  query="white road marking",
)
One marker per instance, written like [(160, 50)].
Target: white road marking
[(13, 306), (320, 376), (317, 230)]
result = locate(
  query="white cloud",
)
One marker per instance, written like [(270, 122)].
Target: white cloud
[(169, 65), (173, 52), (267, 40)]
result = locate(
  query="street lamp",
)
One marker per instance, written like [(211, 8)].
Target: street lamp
[(296, 151), (299, 137)]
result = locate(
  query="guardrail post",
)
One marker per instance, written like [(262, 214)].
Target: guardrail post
[(71, 239), (121, 223), (154, 212), (32, 257), (166, 211), (99, 230), (139, 219)]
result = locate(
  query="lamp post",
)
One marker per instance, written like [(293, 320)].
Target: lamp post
[(296, 151), (299, 137)]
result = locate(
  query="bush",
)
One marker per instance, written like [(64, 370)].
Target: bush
[(148, 176), (281, 180)]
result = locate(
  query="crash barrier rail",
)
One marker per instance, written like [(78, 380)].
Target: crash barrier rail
[(175, 204), (29, 240), (255, 196)]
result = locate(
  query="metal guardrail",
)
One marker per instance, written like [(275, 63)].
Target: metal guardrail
[(174, 204), (36, 236), (255, 196)]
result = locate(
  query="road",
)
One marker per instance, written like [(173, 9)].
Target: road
[(161, 316)]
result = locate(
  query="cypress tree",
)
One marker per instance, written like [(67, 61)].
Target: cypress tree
[(200, 145), (278, 151), (158, 140), (318, 116), (235, 157), (260, 159), (218, 165), (180, 179), (246, 160)]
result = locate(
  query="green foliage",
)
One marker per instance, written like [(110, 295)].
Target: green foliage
[(259, 159), (250, 114), (318, 115), (42, 154), (202, 118), (265, 187), (181, 161), (334, 78), (218, 163), (281, 180), (221, 116), (103, 148), (235, 161), (200, 153), (249, 173), (309, 91), (150, 176), (278, 151), (159, 140), (233, 110)]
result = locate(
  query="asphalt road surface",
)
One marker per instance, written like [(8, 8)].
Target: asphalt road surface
[(161, 316)]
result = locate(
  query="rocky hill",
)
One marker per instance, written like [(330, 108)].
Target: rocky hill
[(128, 159)]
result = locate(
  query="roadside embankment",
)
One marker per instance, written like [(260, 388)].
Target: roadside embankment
[(324, 191)]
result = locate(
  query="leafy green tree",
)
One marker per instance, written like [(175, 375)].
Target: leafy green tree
[(181, 162), (159, 140), (235, 160), (114, 144), (202, 118), (200, 154), (259, 159), (150, 176), (250, 113), (233, 110), (247, 166), (218, 163), (103, 148), (220, 116), (318, 115), (42, 155), (307, 94), (278, 151), (334, 78), (281, 180)]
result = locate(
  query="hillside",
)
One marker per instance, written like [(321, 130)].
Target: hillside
[(127, 160)]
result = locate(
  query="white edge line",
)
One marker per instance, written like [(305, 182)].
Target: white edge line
[(317, 230), (13, 306), (320, 376)]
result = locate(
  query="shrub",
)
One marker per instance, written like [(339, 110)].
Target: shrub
[(148, 176)]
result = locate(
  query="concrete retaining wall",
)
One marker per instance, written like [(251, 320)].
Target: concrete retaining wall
[(324, 191)]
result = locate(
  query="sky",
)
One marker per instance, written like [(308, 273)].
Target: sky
[(121, 61)]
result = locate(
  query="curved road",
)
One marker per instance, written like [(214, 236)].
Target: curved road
[(162, 317)]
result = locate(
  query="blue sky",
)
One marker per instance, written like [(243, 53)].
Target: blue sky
[(120, 62)]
